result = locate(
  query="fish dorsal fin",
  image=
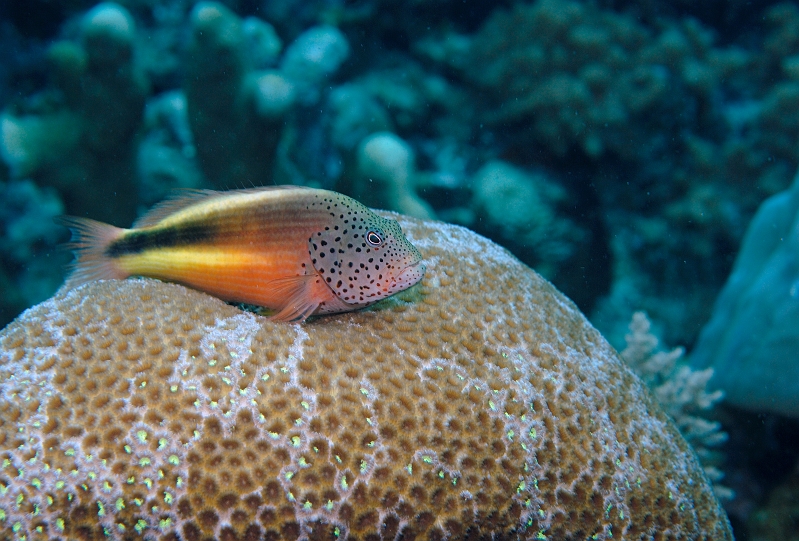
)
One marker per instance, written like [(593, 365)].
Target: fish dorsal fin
[(177, 200), (182, 198)]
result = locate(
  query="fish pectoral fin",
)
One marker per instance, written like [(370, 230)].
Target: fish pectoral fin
[(302, 294)]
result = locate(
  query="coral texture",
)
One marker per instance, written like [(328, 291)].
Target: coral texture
[(478, 404)]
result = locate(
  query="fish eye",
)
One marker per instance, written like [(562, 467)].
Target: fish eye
[(374, 238)]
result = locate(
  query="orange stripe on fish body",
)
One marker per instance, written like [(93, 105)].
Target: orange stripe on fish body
[(298, 251)]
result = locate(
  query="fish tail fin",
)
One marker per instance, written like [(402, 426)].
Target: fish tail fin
[(90, 239)]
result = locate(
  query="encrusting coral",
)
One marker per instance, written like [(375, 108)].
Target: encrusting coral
[(478, 404)]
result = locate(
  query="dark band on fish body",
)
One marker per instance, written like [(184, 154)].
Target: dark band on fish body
[(137, 242)]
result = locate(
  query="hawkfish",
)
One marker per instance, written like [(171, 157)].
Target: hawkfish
[(296, 251)]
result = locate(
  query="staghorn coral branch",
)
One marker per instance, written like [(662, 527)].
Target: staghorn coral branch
[(681, 391)]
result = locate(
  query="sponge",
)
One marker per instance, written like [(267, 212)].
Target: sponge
[(752, 338)]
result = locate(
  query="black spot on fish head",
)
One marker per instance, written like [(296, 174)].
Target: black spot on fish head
[(374, 258), (324, 254)]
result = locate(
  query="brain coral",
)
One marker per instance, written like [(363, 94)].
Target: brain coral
[(479, 404)]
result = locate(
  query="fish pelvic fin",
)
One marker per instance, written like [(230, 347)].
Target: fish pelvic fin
[(90, 239), (302, 296)]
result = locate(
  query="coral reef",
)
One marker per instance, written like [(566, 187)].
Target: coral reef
[(702, 132), (699, 132), (312, 58), (635, 114), (520, 208), (355, 114), (166, 154), (28, 271), (480, 404), (752, 339), (647, 133), (587, 78), (80, 132), (235, 112), (386, 174)]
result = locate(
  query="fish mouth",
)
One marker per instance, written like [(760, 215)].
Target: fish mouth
[(417, 267)]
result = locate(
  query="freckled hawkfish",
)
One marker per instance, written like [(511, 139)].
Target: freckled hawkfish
[(297, 251)]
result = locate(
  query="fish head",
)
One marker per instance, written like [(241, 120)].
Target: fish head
[(365, 258)]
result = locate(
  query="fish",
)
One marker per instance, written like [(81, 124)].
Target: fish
[(294, 250)]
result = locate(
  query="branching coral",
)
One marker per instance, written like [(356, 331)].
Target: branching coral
[(586, 78), (235, 112), (479, 404), (681, 391)]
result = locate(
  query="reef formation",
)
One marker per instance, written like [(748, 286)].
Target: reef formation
[(478, 404)]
